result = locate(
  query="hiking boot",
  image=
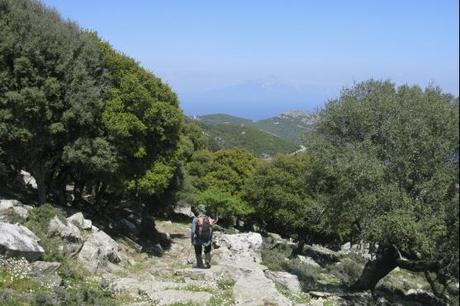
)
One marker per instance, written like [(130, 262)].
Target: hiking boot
[(207, 260), (199, 262)]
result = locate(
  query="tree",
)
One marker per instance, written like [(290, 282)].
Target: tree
[(75, 111), (217, 180), (284, 199), (142, 121), (49, 89), (393, 153)]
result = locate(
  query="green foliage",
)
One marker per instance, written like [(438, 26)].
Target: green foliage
[(217, 202), (49, 88), (289, 126), (217, 179), (272, 259), (281, 195), (390, 168), (347, 270), (38, 223), (75, 111)]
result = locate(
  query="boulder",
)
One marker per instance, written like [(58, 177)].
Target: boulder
[(321, 255), (308, 261), (46, 273), (28, 179), (9, 207), (184, 211), (285, 279), (240, 256), (242, 242), (98, 251), (68, 232), (79, 221), (363, 249), (423, 297), (17, 240)]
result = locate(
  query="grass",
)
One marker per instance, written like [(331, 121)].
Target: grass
[(196, 288), (224, 296), (300, 297), (18, 283)]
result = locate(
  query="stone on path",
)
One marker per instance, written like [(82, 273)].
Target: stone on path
[(173, 296)]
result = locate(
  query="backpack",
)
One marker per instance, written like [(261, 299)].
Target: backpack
[(204, 231)]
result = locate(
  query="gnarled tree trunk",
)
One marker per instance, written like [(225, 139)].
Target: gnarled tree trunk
[(375, 270)]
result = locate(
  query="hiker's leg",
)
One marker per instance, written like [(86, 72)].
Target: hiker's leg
[(199, 259), (207, 255)]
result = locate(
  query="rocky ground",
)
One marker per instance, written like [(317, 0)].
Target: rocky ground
[(50, 259)]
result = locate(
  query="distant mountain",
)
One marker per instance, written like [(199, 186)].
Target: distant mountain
[(224, 119), (289, 126)]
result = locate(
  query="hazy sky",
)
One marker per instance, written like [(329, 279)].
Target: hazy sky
[(257, 58)]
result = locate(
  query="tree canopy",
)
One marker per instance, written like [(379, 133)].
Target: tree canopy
[(75, 111), (217, 180), (392, 156)]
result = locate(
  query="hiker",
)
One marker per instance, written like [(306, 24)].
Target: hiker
[(202, 237)]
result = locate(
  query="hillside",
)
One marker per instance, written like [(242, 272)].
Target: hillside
[(248, 137), (289, 126), (224, 119)]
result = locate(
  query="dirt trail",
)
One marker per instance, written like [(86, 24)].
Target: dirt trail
[(235, 278)]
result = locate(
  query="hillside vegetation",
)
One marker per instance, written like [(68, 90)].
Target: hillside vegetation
[(290, 126), (258, 142)]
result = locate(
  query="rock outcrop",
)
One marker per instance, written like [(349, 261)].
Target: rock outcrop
[(240, 255), (69, 233), (321, 255), (98, 251), (285, 279), (79, 221), (9, 208), (46, 273), (18, 241)]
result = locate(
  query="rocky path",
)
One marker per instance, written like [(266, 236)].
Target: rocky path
[(236, 277)]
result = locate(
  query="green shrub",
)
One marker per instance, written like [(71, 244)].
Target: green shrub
[(304, 272), (38, 223), (347, 270), (272, 259)]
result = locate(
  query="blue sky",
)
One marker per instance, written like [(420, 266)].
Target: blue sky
[(259, 58)]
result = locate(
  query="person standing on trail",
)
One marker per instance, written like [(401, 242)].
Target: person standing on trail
[(201, 236)]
